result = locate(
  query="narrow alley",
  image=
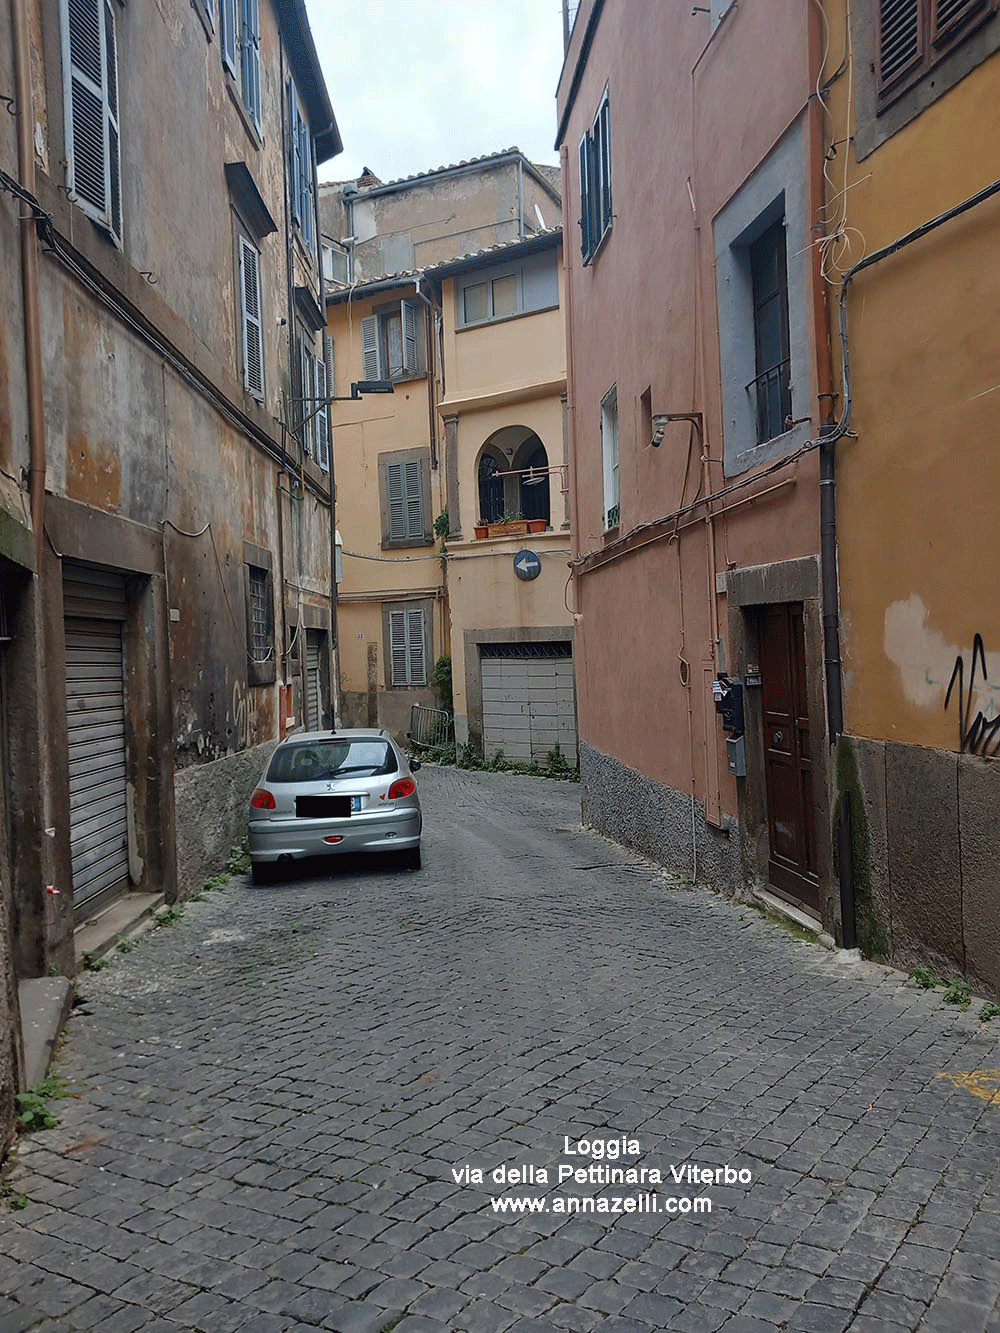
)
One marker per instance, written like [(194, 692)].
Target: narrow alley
[(276, 1098)]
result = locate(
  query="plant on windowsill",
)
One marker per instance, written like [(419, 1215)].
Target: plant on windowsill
[(510, 525)]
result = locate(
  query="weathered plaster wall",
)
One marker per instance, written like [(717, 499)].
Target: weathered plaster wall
[(658, 822), (212, 801)]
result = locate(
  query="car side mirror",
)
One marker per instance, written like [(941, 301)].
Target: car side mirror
[(414, 765)]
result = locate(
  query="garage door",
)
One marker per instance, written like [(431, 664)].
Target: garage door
[(95, 718), (528, 700), (314, 679)]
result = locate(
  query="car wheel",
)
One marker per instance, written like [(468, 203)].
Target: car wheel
[(261, 872), (411, 858)]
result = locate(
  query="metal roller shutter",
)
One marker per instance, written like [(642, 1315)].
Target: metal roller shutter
[(314, 677), (528, 701), (94, 602)]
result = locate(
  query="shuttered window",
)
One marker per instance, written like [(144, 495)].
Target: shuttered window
[(407, 647), (405, 498), (208, 9), (914, 34), (595, 182), (300, 167), (250, 312), (390, 343), (227, 35), (90, 94), (250, 59), (322, 413)]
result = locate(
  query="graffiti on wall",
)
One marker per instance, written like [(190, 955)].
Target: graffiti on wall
[(244, 707), (980, 734)]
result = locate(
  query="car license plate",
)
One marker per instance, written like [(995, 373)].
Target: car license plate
[(355, 804)]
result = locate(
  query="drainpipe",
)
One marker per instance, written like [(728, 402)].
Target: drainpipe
[(29, 282), (429, 339), (829, 434)]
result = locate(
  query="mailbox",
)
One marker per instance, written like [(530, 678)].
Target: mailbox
[(728, 696)]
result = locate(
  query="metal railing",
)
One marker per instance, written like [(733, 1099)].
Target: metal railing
[(431, 729), (771, 392)]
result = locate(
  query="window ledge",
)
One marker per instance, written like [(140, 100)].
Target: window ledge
[(505, 319), (408, 542), (206, 22), (591, 258), (237, 100)]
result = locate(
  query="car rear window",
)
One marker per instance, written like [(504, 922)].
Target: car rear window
[(320, 761)]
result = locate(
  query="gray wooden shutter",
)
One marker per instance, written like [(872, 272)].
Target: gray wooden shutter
[(585, 240), (395, 485), (294, 150), (307, 421), (227, 34), (209, 7), (901, 38), (408, 319), (948, 16), (417, 658), (253, 351), (414, 498), (322, 416), (369, 348), (250, 36), (90, 95), (398, 655), (306, 178), (604, 120)]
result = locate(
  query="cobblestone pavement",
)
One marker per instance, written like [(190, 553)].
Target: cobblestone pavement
[(274, 1092)]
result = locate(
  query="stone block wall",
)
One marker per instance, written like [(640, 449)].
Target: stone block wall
[(927, 856)]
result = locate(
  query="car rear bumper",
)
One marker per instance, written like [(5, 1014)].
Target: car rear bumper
[(270, 839)]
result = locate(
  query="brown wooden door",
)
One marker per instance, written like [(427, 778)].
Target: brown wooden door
[(788, 755)]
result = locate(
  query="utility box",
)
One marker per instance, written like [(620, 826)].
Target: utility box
[(736, 756)]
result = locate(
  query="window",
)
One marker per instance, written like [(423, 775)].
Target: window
[(207, 7), (300, 169), (90, 95), (405, 496), (228, 35), (391, 344), (315, 413), (250, 59), (533, 491), (769, 279), (408, 646), (250, 319), (500, 293), (491, 490), (609, 452), (913, 35), (595, 183), (260, 616)]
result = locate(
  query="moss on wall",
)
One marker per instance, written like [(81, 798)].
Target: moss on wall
[(873, 939)]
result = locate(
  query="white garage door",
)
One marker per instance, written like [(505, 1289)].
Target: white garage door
[(95, 720), (528, 700)]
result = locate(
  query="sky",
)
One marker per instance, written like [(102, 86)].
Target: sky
[(417, 84)]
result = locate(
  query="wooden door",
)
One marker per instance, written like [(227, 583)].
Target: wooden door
[(788, 755)]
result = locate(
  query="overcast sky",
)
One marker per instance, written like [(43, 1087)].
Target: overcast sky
[(417, 84)]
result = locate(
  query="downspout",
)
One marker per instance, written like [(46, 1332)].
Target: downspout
[(429, 339), (331, 389), (29, 283), (829, 433), (34, 380), (520, 200)]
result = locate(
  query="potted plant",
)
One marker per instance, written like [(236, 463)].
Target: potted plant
[(482, 531), (537, 524), (508, 525)]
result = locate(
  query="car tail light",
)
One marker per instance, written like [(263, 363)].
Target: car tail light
[(262, 800), (402, 787)]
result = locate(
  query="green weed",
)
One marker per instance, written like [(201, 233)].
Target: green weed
[(988, 1011), (93, 963), (958, 992), (924, 978)]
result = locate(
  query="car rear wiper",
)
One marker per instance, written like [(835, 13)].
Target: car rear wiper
[(358, 768)]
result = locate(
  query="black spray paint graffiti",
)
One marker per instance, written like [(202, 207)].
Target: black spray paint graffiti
[(977, 735)]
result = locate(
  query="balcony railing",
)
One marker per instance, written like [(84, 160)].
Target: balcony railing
[(771, 390)]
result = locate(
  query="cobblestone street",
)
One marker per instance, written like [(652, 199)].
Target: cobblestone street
[(274, 1094)]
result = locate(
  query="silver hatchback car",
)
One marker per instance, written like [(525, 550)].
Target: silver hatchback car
[(326, 793)]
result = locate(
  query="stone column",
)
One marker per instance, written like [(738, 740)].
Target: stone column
[(451, 476), (564, 475)]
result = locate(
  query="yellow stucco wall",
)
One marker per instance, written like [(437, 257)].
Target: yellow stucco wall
[(916, 513)]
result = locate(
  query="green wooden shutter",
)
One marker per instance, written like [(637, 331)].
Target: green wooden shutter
[(250, 51), (294, 153), (585, 240), (416, 656), (398, 653), (395, 485)]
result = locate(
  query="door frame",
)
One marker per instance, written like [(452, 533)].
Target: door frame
[(748, 590)]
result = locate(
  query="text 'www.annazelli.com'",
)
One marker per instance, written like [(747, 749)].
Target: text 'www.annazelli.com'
[(570, 1203)]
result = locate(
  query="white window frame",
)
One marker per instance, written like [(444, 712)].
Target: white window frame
[(407, 647), (487, 282), (105, 90), (208, 9), (229, 36), (251, 324), (610, 460)]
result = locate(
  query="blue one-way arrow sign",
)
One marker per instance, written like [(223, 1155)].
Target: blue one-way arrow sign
[(527, 565)]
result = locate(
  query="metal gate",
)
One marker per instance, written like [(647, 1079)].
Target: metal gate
[(314, 679), (528, 700), (94, 606)]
